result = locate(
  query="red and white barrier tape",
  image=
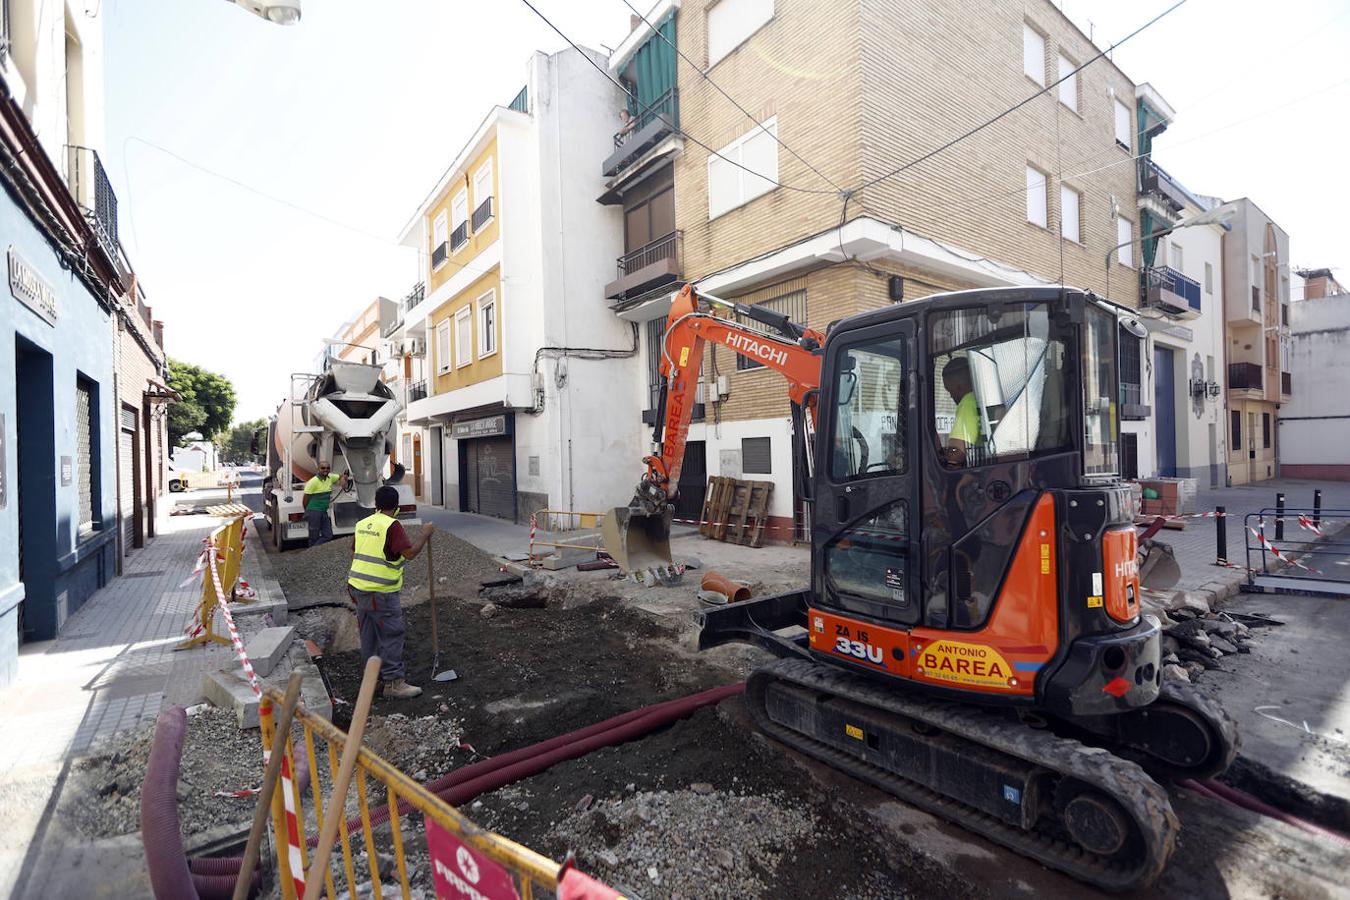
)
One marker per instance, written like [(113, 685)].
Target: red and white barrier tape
[(1307, 524), (234, 795), (1261, 539)]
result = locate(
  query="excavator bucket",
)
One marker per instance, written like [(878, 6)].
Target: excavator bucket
[(1158, 568), (637, 541)]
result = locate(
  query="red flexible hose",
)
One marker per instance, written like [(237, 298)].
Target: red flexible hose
[(1220, 791)]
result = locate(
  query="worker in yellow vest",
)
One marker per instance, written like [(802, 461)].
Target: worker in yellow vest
[(380, 551)]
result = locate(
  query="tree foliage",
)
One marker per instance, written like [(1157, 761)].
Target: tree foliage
[(234, 446), (207, 405)]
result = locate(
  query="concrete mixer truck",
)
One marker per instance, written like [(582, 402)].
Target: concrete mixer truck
[(344, 416)]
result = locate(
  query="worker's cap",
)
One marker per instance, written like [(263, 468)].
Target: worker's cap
[(386, 497)]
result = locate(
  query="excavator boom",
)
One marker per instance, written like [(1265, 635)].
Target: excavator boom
[(637, 536)]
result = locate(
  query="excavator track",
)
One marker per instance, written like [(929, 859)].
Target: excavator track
[(1085, 784)]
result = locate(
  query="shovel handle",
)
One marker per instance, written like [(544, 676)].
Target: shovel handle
[(431, 598)]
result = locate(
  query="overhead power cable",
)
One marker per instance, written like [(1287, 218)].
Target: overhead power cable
[(648, 109), (1016, 106), (706, 77)]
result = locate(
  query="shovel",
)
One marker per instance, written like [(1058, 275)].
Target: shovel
[(448, 674)]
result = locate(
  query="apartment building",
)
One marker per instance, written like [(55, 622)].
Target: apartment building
[(1256, 302), (59, 409), (818, 207), (1314, 423), (523, 362)]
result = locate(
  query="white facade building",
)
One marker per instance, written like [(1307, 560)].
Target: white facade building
[(1314, 423)]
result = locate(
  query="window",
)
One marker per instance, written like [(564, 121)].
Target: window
[(730, 22), (1036, 202), (1209, 278), (1237, 429), (440, 232), (463, 337), (1125, 237), (1033, 54), (86, 453), (729, 184), (1265, 430), (1131, 369), (1099, 407), (443, 347), (756, 458), (1069, 213), (487, 324), (482, 196), (1122, 125), (1068, 85), (869, 415), (793, 305), (649, 213), (999, 385), (1178, 259), (459, 220)]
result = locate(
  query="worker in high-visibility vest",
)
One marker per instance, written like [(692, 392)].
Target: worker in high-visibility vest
[(380, 550)]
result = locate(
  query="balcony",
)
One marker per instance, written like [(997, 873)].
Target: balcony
[(1286, 384), (1132, 406), (647, 268), (482, 215), (439, 254), (651, 126), (414, 297), (1154, 180), (1244, 376), (417, 391), (459, 237), (93, 192), (1172, 292)]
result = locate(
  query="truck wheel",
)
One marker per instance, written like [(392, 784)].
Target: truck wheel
[(176, 486)]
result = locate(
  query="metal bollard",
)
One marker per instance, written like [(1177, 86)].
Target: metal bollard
[(1317, 508), (1279, 516), (1221, 533)]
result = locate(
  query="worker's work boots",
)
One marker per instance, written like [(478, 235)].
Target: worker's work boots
[(399, 689)]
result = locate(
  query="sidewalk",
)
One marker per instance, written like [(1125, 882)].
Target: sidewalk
[(497, 537), (111, 669)]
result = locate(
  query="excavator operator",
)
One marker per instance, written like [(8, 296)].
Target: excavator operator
[(965, 431)]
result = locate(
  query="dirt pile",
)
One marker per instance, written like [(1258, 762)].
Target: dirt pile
[(319, 574), (689, 844)]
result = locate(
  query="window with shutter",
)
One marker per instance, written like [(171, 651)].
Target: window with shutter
[(1036, 203), (743, 170), (755, 456), (1033, 54)]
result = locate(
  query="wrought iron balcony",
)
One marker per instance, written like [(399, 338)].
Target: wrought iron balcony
[(1245, 376), (93, 192), (459, 237), (1153, 179), (417, 391), (647, 268), (483, 214), (1172, 292), (439, 254), (647, 129), (414, 297)]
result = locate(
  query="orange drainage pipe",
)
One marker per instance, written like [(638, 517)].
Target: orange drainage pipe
[(734, 591)]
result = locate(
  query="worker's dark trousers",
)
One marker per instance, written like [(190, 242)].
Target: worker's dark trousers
[(380, 620), (320, 526)]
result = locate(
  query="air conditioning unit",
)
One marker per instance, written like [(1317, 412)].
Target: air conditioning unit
[(414, 347)]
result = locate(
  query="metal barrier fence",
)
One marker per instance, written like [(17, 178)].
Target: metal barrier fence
[(225, 546), (460, 851), (1294, 549), (555, 530)]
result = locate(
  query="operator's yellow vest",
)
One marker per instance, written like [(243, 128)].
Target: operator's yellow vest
[(370, 570)]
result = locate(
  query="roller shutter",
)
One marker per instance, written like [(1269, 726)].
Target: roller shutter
[(490, 467)]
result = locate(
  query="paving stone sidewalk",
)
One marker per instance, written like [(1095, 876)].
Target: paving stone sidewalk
[(112, 668)]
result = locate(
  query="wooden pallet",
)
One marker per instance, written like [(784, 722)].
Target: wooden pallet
[(735, 510)]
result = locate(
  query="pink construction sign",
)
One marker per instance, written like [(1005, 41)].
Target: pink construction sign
[(463, 873)]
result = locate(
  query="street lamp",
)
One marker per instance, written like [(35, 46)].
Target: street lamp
[(1219, 215), (280, 12)]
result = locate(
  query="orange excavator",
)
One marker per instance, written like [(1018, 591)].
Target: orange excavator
[(971, 639)]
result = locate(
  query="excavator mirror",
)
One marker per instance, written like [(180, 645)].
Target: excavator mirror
[(253, 444), (848, 380)]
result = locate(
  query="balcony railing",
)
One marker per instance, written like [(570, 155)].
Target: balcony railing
[(459, 237), (439, 255), (1245, 376), (1153, 179), (483, 214), (1169, 290), (93, 192), (414, 297), (417, 391), (646, 268), (1286, 384), (648, 128)]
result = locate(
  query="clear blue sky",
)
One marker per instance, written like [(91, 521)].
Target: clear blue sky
[(355, 112)]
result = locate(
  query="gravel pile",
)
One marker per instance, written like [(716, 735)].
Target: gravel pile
[(103, 795), (688, 844), (425, 747), (1195, 637), (317, 574)]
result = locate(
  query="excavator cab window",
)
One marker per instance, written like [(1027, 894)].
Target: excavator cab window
[(999, 386), (1101, 455), (869, 438)]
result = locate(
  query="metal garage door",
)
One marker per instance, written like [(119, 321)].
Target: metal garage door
[(491, 469), (126, 478)]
